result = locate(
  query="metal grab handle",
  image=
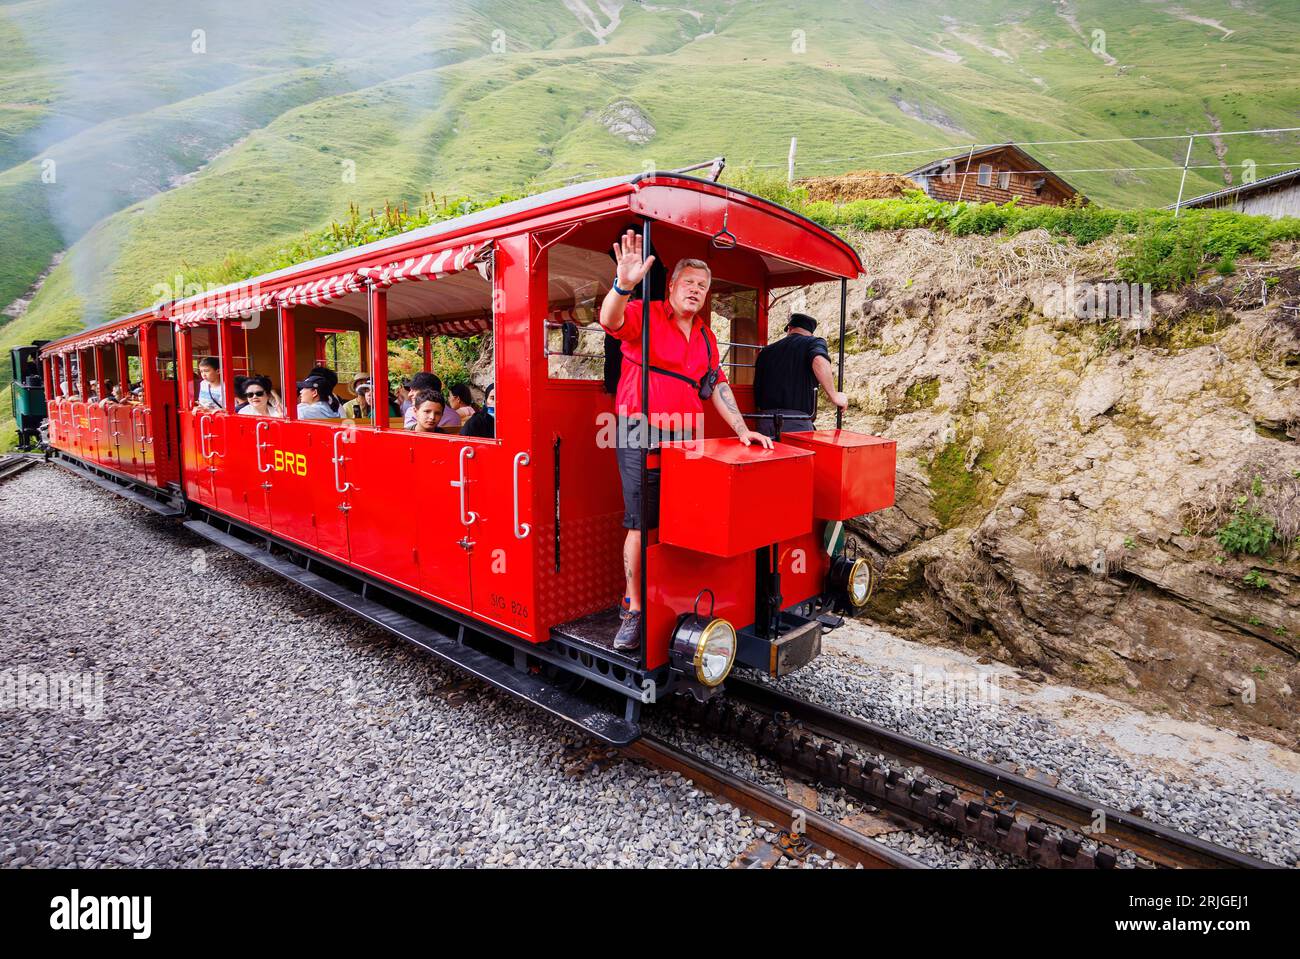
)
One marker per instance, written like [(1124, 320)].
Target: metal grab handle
[(338, 460), (144, 419), (521, 530), (258, 446), (136, 436), (204, 436), (466, 518)]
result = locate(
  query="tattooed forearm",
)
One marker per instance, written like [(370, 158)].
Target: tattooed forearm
[(724, 391), (727, 407), (726, 403)]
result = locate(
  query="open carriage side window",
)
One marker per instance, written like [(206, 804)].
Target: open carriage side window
[(577, 281)]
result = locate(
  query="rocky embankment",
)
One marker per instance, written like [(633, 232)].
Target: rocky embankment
[(1110, 501)]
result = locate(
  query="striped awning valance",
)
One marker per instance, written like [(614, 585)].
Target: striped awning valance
[(462, 326), (321, 292), (244, 304), (431, 266), (106, 338)]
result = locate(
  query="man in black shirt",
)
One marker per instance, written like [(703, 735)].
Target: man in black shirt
[(786, 376)]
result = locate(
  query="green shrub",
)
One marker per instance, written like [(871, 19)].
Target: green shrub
[(1247, 532), (1256, 580)]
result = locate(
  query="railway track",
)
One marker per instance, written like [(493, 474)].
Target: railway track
[(13, 463), (810, 830), (935, 787)]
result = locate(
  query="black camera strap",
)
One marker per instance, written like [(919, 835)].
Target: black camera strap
[(698, 384)]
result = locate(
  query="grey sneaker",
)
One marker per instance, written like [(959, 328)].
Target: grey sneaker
[(628, 637)]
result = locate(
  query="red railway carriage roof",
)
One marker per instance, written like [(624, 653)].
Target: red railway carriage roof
[(793, 249)]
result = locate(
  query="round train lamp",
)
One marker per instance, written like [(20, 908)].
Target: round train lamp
[(704, 647), (852, 582)]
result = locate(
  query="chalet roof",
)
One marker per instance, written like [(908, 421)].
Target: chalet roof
[(934, 167)]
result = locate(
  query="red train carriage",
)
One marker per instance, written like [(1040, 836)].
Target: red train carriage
[(502, 555)]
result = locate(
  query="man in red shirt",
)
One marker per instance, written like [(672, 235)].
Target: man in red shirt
[(684, 371)]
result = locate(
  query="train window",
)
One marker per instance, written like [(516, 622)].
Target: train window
[(166, 352), (341, 351), (578, 280), (734, 320)]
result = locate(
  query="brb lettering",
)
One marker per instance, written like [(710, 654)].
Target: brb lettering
[(295, 463)]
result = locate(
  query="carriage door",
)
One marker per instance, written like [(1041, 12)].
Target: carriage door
[(500, 561), (441, 496)]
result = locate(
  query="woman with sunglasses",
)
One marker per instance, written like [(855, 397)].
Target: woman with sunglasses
[(261, 399)]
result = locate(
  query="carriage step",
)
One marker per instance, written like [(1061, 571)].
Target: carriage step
[(167, 507)]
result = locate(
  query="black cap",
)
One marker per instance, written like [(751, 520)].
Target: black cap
[(803, 321), (315, 383)]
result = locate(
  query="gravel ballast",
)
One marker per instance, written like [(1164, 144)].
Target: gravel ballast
[(247, 723), (1240, 794)]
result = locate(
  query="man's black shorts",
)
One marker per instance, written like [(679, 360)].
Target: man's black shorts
[(629, 471)]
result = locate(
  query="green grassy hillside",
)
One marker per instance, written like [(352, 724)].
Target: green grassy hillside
[(170, 161)]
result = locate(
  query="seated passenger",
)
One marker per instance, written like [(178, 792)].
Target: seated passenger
[(428, 408), (240, 382), (420, 382), (115, 395), (211, 391), (331, 380), (462, 401), (260, 399), (360, 407), (483, 423), (311, 402)]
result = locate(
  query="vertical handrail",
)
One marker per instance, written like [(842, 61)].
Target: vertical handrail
[(339, 435), (645, 438), (521, 529), (137, 437), (844, 314), (467, 517), (204, 450), (258, 445)]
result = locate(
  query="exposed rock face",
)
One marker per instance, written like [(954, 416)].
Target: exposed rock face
[(623, 118), (1062, 482)]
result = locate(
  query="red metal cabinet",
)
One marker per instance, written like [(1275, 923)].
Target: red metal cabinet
[(721, 497), (674, 578), (853, 473)]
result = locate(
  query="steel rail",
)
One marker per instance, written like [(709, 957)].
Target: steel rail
[(1150, 840), (847, 844), (14, 463)]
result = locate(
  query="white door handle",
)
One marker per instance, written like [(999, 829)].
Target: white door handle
[(470, 517), (521, 529), (258, 446), (338, 461)]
